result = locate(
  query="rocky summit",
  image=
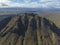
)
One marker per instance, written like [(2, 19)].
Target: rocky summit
[(28, 29)]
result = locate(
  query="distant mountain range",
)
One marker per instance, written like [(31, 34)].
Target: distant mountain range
[(29, 9), (17, 10)]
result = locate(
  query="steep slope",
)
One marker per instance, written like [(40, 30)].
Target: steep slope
[(55, 18), (29, 30)]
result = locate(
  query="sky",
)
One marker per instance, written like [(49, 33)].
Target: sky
[(30, 3)]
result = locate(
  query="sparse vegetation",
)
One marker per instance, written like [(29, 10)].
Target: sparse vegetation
[(29, 29)]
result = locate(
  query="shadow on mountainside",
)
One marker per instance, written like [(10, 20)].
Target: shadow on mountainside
[(4, 22), (52, 26), (22, 28)]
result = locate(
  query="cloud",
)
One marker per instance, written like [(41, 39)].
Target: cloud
[(4, 1), (3, 4), (29, 4), (43, 0), (27, 1)]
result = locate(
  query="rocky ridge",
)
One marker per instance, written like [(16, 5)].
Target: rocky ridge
[(28, 30)]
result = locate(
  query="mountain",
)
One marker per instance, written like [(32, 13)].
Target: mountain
[(28, 29), (55, 18), (28, 9), (18, 10)]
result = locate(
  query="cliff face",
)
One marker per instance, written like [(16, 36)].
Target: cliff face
[(28, 30)]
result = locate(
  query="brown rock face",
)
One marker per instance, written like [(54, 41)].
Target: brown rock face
[(28, 30)]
